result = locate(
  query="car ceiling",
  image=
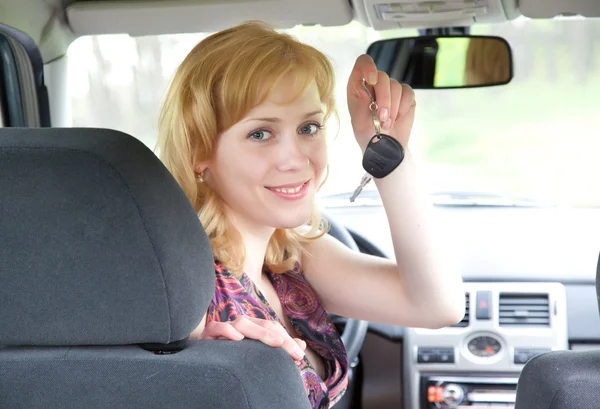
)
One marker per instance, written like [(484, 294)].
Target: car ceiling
[(54, 24)]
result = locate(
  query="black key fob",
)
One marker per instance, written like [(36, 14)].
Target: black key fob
[(382, 156)]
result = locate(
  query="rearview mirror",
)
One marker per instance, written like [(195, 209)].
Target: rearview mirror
[(435, 62)]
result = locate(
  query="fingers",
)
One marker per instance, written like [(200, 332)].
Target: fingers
[(251, 329), (388, 93), (289, 344), (406, 115), (364, 67), (219, 330), (383, 97), (407, 101), (301, 343), (396, 95), (268, 332)]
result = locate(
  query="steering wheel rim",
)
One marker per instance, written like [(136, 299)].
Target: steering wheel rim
[(353, 335)]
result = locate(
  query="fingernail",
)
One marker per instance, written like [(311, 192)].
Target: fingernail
[(239, 337), (299, 353), (388, 124), (383, 114), (372, 78)]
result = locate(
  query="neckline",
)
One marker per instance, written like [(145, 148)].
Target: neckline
[(263, 300), (246, 282)]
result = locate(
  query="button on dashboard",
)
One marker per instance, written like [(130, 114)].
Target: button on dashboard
[(446, 355), (426, 355), (483, 310), (522, 356), (435, 355)]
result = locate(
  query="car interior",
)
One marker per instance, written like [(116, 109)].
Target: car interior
[(106, 269)]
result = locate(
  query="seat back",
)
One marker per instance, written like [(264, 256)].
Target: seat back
[(105, 271)]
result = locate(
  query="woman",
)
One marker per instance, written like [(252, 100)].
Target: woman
[(242, 130)]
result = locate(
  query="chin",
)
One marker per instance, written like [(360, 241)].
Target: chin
[(289, 220)]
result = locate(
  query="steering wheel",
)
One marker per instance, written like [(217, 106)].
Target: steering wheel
[(354, 331)]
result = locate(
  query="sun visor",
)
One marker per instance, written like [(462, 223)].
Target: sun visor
[(139, 18), (553, 8)]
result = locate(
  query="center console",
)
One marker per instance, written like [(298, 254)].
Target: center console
[(476, 363)]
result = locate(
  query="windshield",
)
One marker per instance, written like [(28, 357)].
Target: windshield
[(535, 138)]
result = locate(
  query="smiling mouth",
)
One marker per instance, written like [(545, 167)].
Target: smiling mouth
[(296, 190), (289, 189)]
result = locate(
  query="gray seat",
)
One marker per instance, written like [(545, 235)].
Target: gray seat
[(104, 272), (561, 379)]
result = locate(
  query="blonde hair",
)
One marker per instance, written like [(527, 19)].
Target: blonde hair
[(217, 84), (487, 62)]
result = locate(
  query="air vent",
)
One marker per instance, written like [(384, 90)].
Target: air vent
[(524, 310), (465, 321)]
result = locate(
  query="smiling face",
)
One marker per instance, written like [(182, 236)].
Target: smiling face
[(268, 166)]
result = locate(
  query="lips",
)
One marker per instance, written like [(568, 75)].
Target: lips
[(291, 191)]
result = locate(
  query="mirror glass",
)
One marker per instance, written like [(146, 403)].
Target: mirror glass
[(433, 62)]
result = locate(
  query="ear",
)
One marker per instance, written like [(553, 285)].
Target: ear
[(200, 165)]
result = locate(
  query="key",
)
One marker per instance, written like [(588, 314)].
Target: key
[(363, 182), (382, 155), (373, 108)]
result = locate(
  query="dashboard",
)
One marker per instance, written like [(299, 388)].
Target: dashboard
[(477, 362), (530, 287), (497, 244)]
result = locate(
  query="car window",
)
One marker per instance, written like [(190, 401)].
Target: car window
[(534, 138)]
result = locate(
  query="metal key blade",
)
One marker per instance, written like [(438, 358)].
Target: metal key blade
[(363, 182)]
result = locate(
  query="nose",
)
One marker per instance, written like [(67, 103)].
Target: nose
[(292, 153)]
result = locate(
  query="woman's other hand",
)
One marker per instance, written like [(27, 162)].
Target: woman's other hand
[(268, 332)]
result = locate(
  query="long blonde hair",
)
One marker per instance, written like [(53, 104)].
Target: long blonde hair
[(487, 62), (218, 83)]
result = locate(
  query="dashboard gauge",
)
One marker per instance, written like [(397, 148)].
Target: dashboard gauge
[(484, 346)]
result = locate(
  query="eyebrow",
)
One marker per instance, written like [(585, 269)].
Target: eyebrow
[(279, 120)]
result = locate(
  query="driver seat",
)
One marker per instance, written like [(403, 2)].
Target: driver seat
[(561, 379), (105, 271)]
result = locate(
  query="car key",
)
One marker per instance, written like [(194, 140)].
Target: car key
[(382, 156), (373, 107), (383, 153), (363, 182)]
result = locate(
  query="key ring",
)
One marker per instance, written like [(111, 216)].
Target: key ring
[(373, 107)]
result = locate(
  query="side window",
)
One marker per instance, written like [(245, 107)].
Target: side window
[(23, 96), (2, 107), (11, 112)]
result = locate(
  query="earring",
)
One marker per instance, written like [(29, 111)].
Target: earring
[(201, 177)]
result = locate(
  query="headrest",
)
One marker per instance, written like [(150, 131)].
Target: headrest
[(98, 243)]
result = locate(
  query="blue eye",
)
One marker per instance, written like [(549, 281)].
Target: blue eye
[(311, 129), (260, 135)]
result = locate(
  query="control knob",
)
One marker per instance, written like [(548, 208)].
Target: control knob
[(453, 395)]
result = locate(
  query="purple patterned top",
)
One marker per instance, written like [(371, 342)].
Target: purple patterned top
[(310, 321)]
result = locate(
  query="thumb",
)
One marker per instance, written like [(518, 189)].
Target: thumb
[(300, 343), (361, 116), (359, 99)]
